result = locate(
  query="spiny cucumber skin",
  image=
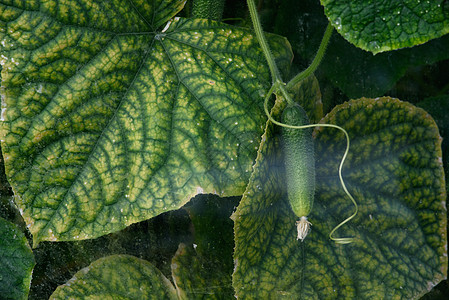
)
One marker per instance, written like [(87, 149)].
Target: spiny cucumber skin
[(299, 160)]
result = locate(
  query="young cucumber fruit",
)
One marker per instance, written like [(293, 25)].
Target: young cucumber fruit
[(299, 162)]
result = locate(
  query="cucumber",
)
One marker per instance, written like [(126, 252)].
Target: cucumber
[(299, 163)]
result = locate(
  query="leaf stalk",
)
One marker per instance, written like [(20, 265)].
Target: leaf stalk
[(275, 75), (316, 61)]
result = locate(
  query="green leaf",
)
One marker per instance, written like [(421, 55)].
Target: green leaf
[(16, 262), (117, 277), (394, 171), (307, 93), (108, 122), (388, 25), (438, 107)]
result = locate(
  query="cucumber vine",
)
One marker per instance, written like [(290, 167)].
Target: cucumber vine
[(280, 89)]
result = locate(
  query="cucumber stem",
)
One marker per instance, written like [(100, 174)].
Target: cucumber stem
[(316, 61), (275, 75)]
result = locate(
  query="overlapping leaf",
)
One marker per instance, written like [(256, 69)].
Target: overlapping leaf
[(16, 262), (107, 122), (117, 277), (394, 170), (388, 25)]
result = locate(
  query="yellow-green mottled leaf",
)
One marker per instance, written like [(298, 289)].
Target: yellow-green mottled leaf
[(394, 171), (108, 122), (307, 93), (438, 108), (16, 262), (379, 26), (117, 277)]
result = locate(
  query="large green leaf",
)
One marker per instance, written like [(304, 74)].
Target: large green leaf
[(438, 107), (16, 262), (394, 171), (307, 93), (379, 26), (117, 277), (107, 122)]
